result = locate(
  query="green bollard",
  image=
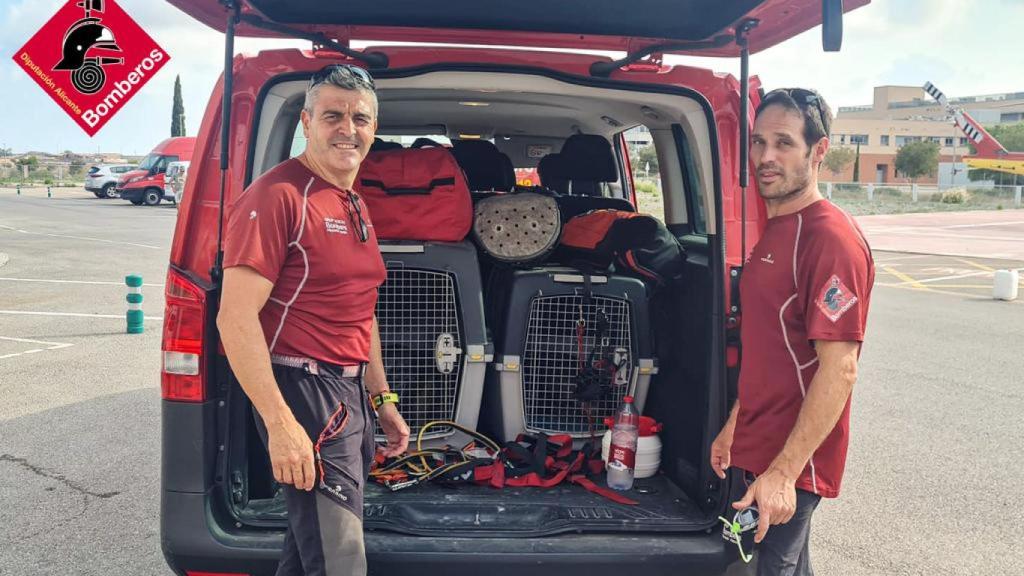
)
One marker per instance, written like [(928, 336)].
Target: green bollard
[(48, 193), (19, 189), (134, 316)]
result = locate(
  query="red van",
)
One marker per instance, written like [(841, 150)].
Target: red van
[(510, 333), (145, 184)]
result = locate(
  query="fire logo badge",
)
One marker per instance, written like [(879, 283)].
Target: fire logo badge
[(78, 61), (82, 42)]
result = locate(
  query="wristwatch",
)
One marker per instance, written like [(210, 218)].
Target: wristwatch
[(379, 400)]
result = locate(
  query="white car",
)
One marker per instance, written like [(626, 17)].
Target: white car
[(101, 180), (174, 181)]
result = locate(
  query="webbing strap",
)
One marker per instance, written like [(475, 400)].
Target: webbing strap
[(408, 191)]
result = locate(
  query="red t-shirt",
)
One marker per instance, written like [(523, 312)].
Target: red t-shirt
[(808, 278), (302, 233)]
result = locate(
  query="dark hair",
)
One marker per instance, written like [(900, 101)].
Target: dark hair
[(344, 76), (809, 104)]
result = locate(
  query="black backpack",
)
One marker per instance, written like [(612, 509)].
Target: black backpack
[(636, 244)]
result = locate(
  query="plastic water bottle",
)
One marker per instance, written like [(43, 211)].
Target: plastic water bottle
[(622, 453)]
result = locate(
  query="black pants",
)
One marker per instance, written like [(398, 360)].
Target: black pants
[(785, 550), (325, 526)]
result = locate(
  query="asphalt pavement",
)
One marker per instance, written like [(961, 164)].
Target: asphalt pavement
[(932, 484)]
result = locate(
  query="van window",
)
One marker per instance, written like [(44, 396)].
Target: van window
[(149, 161), (664, 177)]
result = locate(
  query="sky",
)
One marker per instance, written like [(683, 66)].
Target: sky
[(965, 48)]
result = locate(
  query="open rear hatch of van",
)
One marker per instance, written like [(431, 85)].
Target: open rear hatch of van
[(697, 27)]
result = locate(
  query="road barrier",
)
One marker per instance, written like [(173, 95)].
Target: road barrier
[(134, 315)]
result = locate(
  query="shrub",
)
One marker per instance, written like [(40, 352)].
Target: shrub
[(954, 196), (646, 187)]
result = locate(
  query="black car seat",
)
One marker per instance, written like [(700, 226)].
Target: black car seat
[(485, 166)]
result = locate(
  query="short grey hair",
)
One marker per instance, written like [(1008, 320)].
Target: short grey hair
[(342, 78)]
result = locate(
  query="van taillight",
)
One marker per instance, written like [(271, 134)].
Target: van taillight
[(183, 376)]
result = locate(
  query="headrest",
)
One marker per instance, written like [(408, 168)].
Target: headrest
[(424, 142), (379, 145), (589, 157), (552, 172), (485, 167)]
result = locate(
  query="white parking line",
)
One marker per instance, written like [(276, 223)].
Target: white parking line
[(73, 282), (888, 259), (83, 238), (72, 314), (51, 346), (984, 224), (957, 276)]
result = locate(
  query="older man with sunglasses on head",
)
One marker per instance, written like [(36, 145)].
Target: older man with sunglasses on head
[(804, 297), (301, 272)]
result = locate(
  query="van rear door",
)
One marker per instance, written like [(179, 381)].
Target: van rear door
[(703, 27)]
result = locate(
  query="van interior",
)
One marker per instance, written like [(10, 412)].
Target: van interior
[(514, 325)]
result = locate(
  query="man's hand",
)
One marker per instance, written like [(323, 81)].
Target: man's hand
[(395, 429), (291, 455), (720, 452), (775, 495)]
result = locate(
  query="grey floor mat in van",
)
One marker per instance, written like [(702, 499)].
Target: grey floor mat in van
[(471, 510)]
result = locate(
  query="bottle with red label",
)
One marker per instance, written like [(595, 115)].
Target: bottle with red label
[(622, 453)]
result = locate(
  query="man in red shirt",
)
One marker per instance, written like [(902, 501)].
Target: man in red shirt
[(301, 273), (804, 296)]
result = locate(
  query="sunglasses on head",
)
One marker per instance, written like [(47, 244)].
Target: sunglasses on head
[(360, 224), (807, 100), (360, 73)]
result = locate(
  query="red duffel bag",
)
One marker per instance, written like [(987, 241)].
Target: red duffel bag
[(416, 194)]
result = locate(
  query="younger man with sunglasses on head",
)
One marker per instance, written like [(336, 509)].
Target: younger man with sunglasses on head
[(804, 295), (301, 272)]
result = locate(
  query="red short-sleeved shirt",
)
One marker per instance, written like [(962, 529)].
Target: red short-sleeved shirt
[(299, 231), (808, 278)]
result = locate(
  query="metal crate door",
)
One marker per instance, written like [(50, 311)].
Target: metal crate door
[(551, 362), (417, 311)]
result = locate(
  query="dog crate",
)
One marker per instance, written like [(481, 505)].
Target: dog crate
[(433, 337), (561, 336)]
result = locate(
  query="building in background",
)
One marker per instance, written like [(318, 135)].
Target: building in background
[(903, 114)]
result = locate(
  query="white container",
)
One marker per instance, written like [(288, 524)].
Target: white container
[(648, 454), (1006, 285)]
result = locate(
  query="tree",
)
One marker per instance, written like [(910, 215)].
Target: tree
[(30, 161), (177, 110), (838, 159), (856, 165), (646, 155), (1011, 136), (917, 159)]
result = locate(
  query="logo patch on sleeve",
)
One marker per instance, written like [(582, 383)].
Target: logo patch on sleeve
[(835, 299)]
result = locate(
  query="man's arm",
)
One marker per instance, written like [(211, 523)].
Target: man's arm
[(376, 382), (243, 295), (824, 404), (775, 490)]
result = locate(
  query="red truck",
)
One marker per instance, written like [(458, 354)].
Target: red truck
[(145, 184)]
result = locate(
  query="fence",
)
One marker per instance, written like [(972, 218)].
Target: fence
[(861, 199)]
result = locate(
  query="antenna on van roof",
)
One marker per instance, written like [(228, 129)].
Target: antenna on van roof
[(217, 272)]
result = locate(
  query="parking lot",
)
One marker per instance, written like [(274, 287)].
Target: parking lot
[(932, 483)]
